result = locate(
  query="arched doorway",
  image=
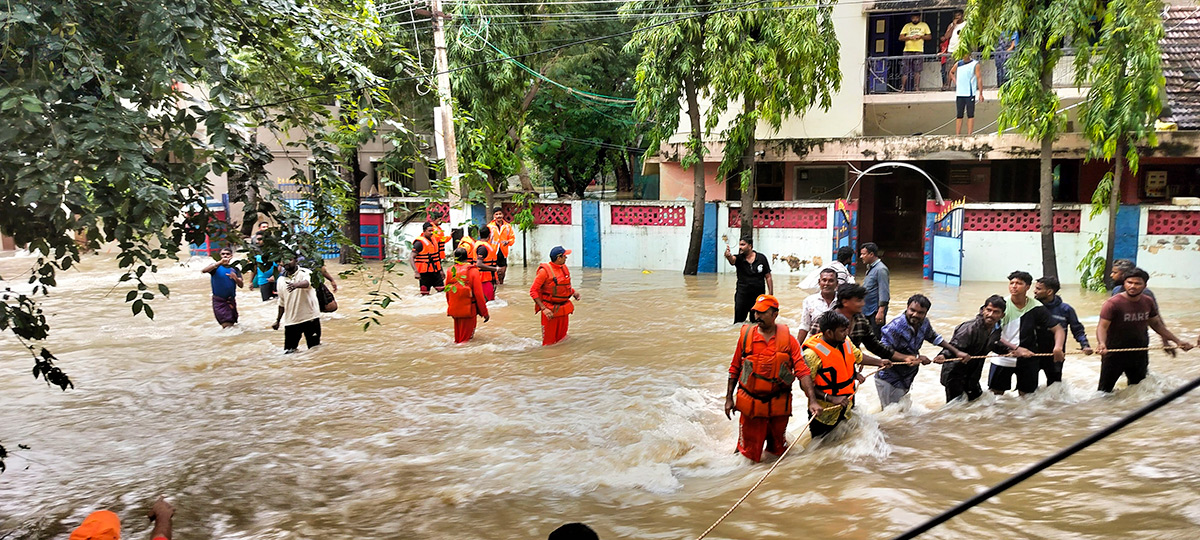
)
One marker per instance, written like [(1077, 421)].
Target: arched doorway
[(893, 209)]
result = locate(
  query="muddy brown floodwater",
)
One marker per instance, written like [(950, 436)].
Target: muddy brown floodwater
[(398, 433)]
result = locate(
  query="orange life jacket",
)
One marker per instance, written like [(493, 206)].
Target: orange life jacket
[(428, 258), (501, 236), (765, 384), (468, 244), (556, 290), (489, 259), (460, 301), (442, 239), (837, 376)]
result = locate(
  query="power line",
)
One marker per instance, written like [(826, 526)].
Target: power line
[(522, 55)]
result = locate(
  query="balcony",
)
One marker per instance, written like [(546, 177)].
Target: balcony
[(885, 74)]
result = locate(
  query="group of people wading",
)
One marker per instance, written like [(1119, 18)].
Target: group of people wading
[(478, 269), (1022, 336)]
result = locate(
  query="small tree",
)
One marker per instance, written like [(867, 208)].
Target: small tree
[(671, 66), (1028, 102), (777, 63), (1124, 75)]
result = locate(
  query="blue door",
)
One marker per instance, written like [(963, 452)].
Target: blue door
[(947, 247), (591, 234)]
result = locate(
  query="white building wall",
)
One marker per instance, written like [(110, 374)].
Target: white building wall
[(644, 247), (991, 255), (800, 246), (1171, 260), (537, 243)]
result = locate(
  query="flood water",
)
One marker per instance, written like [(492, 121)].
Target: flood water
[(397, 433)]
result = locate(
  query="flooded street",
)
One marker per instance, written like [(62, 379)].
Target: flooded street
[(397, 433)]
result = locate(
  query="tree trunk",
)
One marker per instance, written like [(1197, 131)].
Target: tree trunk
[(1046, 189), (352, 232), (489, 192), (623, 172), (1046, 208), (1114, 204), (523, 175), (749, 188), (691, 265)]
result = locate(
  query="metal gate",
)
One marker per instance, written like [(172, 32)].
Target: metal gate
[(845, 226), (947, 247)]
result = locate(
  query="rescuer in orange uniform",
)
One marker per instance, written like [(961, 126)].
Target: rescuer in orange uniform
[(426, 259), (464, 297), (552, 293), (439, 235), (502, 238), (767, 360), (833, 361), (486, 258)]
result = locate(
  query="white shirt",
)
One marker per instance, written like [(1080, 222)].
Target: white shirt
[(813, 307), (953, 44), (299, 305)]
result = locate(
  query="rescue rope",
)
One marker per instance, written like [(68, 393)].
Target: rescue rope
[(1034, 355), (768, 473), (1046, 463)]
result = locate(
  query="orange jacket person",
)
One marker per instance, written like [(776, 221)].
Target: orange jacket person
[(487, 260), (833, 361), (767, 360), (552, 293), (502, 238), (426, 259), (464, 297), (435, 220)]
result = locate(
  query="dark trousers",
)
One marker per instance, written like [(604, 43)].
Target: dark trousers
[(743, 301), (311, 330), (1052, 369), (818, 429), (1133, 365), (963, 378), (267, 290)]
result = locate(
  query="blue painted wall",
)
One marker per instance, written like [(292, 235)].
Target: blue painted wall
[(708, 243), (591, 234), (479, 215), (1128, 226)]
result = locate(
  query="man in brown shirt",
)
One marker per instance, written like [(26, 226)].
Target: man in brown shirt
[(1124, 321)]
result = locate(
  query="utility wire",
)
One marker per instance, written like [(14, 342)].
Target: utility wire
[(492, 61), (1046, 463)]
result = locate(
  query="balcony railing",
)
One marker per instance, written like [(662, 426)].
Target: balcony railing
[(893, 74)]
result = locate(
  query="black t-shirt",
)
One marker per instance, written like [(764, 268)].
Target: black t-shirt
[(752, 277)]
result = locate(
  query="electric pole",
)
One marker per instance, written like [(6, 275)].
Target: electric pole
[(458, 213)]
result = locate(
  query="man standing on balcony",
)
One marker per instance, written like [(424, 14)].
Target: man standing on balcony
[(950, 39), (914, 35), (968, 86)]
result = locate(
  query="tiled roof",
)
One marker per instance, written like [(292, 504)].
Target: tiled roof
[(1181, 65)]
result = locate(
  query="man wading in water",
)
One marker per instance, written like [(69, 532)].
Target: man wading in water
[(833, 360), (225, 280), (1124, 320), (753, 278), (766, 362), (298, 301)]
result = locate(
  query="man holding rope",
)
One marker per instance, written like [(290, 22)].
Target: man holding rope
[(1028, 329), (1124, 320), (833, 360), (976, 337), (766, 362)]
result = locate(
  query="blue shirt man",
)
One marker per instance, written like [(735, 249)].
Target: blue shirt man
[(878, 285), (224, 279), (906, 334)]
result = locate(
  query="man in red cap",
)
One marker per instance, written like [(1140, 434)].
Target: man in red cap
[(552, 294), (767, 360), (105, 525)]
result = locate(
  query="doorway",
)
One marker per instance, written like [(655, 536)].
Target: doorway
[(899, 215)]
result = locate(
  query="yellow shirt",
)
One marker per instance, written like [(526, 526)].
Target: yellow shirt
[(829, 416), (919, 29)]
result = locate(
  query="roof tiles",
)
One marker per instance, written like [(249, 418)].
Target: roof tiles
[(1181, 65)]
